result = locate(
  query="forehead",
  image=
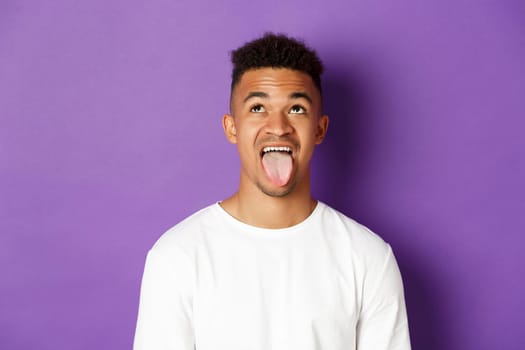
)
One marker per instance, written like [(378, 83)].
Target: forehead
[(274, 81)]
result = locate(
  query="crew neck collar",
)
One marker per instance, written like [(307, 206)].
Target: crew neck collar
[(269, 232)]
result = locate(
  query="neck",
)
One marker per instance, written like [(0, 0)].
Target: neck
[(256, 208)]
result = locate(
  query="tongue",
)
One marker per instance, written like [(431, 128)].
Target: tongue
[(278, 167)]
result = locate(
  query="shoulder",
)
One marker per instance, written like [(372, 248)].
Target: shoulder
[(372, 259), (361, 240), (187, 233)]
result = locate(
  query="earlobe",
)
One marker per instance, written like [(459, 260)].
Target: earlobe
[(322, 127), (228, 124)]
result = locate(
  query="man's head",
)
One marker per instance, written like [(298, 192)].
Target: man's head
[(276, 51), (275, 115)]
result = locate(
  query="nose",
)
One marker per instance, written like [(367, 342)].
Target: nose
[(278, 124)]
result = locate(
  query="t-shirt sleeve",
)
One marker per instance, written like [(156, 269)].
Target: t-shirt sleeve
[(382, 324), (165, 308)]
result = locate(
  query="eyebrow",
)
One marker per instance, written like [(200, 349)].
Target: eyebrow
[(293, 96), (256, 94), (296, 95)]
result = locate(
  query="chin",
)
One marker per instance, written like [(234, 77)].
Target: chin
[(279, 191)]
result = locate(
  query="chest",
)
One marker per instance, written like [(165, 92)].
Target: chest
[(276, 294)]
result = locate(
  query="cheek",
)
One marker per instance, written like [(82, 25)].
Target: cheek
[(308, 133), (247, 134), (245, 146)]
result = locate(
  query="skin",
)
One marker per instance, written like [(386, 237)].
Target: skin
[(274, 107)]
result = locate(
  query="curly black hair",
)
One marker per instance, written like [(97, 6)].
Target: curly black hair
[(276, 51)]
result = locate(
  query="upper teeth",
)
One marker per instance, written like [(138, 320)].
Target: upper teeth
[(277, 149)]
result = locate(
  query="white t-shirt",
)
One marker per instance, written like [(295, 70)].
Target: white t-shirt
[(215, 283)]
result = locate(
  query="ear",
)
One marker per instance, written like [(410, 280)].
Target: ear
[(322, 127), (228, 124)]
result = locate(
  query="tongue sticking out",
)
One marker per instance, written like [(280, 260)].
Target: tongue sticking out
[(278, 167)]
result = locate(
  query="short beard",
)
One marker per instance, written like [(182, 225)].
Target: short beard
[(278, 193)]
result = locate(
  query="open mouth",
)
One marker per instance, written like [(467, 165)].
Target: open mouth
[(277, 162)]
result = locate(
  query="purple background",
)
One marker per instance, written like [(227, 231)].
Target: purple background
[(110, 133)]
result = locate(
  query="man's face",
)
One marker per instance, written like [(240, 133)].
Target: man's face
[(276, 122)]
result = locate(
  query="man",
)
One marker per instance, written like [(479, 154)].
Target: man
[(270, 267)]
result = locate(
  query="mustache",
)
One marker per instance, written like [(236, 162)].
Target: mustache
[(277, 139)]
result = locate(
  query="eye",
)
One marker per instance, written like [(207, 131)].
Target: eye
[(297, 109), (257, 108)]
